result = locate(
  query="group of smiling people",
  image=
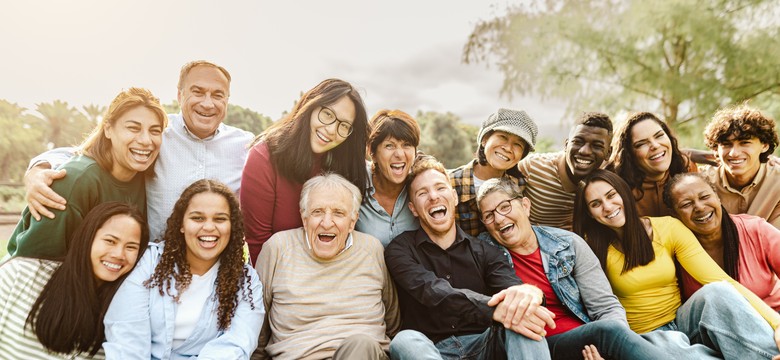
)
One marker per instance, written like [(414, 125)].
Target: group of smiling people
[(330, 236)]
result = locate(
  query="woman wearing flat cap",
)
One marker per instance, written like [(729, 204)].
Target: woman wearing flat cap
[(504, 139)]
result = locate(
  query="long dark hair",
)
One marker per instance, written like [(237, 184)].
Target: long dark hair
[(625, 163), (728, 229), (231, 275), (68, 314), (636, 245), (289, 139)]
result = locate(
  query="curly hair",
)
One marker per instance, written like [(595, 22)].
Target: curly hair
[(73, 319), (624, 162), (741, 122), (232, 277), (595, 119)]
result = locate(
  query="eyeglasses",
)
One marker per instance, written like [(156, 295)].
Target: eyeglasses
[(503, 208), (327, 116)]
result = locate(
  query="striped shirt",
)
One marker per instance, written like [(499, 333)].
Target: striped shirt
[(550, 190), (21, 282), (312, 305)]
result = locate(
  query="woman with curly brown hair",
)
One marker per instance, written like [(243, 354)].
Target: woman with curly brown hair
[(645, 154), (191, 295)]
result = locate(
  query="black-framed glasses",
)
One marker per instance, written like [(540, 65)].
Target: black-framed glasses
[(327, 116), (503, 208)]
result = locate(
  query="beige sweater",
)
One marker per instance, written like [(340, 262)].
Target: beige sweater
[(312, 305)]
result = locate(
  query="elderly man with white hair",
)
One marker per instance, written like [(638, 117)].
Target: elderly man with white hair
[(326, 289)]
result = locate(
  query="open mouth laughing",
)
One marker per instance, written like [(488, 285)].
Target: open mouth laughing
[(658, 156), (326, 237), (398, 168), (704, 219), (208, 241), (141, 155), (438, 212)]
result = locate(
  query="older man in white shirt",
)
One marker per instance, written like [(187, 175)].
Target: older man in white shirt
[(196, 145)]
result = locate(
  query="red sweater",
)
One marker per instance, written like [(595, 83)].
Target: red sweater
[(269, 201)]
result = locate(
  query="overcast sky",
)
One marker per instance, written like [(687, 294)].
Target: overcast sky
[(404, 54)]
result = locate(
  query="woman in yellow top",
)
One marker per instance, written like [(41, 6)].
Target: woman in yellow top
[(638, 255)]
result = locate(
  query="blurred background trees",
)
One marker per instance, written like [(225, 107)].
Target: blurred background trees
[(683, 59)]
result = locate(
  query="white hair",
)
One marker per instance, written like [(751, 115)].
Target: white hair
[(329, 182)]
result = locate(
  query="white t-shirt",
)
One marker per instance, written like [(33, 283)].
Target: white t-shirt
[(191, 304)]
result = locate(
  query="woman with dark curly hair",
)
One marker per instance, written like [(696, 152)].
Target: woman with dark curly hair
[(645, 154), (191, 295), (54, 309), (742, 139), (325, 131)]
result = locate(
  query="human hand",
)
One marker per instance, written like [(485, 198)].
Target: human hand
[(518, 308), (591, 353), (773, 160), (532, 325), (515, 301), (40, 197), (705, 157)]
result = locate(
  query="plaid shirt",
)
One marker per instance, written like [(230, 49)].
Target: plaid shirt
[(462, 180)]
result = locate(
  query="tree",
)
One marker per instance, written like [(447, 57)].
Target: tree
[(94, 113), (249, 120), (67, 126), (445, 137), (240, 117), (20, 140), (681, 58)]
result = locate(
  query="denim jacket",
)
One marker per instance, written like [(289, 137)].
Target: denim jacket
[(574, 273)]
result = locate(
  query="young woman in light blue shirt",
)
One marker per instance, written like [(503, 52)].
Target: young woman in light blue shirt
[(192, 295)]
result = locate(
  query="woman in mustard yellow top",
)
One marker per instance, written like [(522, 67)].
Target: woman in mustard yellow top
[(638, 255)]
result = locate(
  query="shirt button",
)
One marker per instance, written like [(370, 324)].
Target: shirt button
[(448, 277), (453, 326)]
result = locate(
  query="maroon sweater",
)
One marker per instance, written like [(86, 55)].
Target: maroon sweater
[(269, 201)]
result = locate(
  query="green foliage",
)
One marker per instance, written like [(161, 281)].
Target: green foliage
[(247, 119), (681, 58), (446, 138), (94, 112), (21, 139), (545, 145), (66, 125), (238, 116), (172, 108), (12, 199)]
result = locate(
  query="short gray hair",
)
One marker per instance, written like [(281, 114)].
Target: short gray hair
[(502, 184), (327, 182)]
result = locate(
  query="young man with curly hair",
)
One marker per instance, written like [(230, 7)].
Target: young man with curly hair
[(742, 139)]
